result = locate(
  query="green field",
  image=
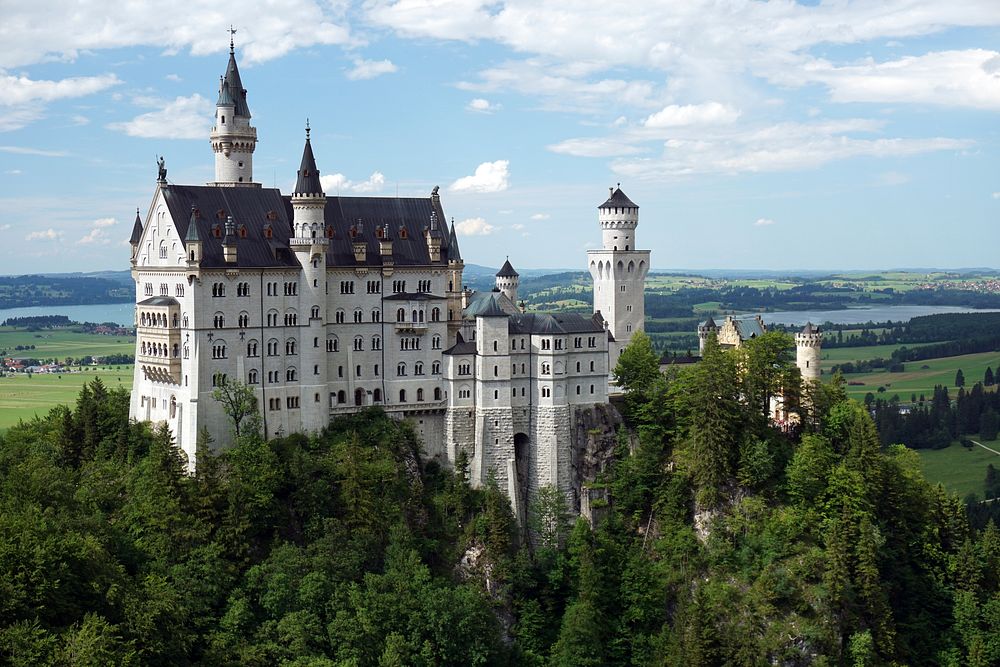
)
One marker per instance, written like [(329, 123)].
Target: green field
[(962, 471), (840, 355), (23, 396), (920, 380), (61, 344)]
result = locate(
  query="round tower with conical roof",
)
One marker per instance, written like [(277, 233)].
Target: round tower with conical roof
[(507, 281), (233, 138), (704, 330), (808, 348)]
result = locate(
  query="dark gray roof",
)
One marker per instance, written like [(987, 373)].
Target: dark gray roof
[(136, 230), (252, 208), (708, 324), (454, 254), (507, 271), (748, 327), (618, 200), (225, 95), (413, 296), (488, 303), (236, 89), (308, 175), (554, 324), (461, 347), (158, 301), (810, 328)]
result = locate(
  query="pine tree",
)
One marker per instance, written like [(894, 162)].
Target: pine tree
[(988, 379), (959, 378)]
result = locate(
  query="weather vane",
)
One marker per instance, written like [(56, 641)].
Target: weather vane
[(232, 33)]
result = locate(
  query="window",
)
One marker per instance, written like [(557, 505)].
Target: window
[(164, 289), (401, 315), (291, 319), (591, 366), (163, 250), (496, 371), (290, 375), (402, 396), (341, 396), (464, 369), (290, 346), (578, 342), (377, 396), (495, 346), (357, 371), (436, 368), (376, 316), (244, 320), (578, 367), (437, 393), (220, 320), (592, 341), (546, 369), (339, 316), (420, 394), (435, 314), (359, 343), (148, 289), (292, 401), (546, 392), (218, 350), (252, 348), (315, 341), (332, 345), (559, 343), (418, 368), (347, 287), (272, 348), (315, 369), (401, 369), (496, 394), (546, 344), (179, 289), (252, 377), (376, 343), (436, 343), (314, 313), (218, 380), (358, 316), (374, 287), (577, 390), (376, 370), (218, 289)]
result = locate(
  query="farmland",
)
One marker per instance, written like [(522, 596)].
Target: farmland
[(920, 377), (59, 344), (23, 396), (960, 470)]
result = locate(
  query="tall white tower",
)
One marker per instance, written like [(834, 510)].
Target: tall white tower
[(309, 243), (808, 348), (619, 272), (507, 280), (233, 138)]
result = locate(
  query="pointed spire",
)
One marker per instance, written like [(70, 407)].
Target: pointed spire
[(136, 229), (232, 77), (192, 230), (507, 270), (308, 181), (453, 252)]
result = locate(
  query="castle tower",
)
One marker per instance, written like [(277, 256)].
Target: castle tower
[(808, 346), (309, 243), (455, 287), (704, 329), (233, 138), (507, 281), (619, 272), (136, 237)]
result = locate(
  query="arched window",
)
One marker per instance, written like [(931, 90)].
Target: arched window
[(340, 316), (252, 377), (376, 343), (402, 396), (332, 344), (244, 320), (252, 348), (341, 396), (220, 320), (418, 368), (401, 369), (377, 396), (436, 368), (290, 346), (420, 394), (315, 312), (401, 315), (435, 314), (359, 343), (290, 375)]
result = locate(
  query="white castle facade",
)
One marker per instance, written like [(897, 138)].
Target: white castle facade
[(326, 304)]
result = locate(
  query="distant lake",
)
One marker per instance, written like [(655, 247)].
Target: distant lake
[(862, 315), (120, 313)]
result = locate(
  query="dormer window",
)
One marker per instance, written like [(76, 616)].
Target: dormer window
[(268, 233), (243, 231), (379, 232), (402, 232), (272, 215), (217, 231), (354, 232), (329, 232), (220, 214)]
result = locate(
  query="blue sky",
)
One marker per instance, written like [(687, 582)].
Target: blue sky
[(758, 135)]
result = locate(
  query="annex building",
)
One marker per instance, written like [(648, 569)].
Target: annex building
[(324, 305)]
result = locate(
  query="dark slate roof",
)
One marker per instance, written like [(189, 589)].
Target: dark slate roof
[(554, 324), (249, 207), (136, 230), (413, 296), (236, 89), (708, 324), (461, 347), (489, 302), (225, 96), (810, 328), (507, 271), (192, 232), (454, 254), (159, 301), (409, 213), (308, 180), (679, 360), (618, 200), (748, 327)]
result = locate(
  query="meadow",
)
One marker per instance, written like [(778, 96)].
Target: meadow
[(23, 396), (920, 377), (60, 344), (960, 470)]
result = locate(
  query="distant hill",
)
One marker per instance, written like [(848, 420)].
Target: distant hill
[(67, 289)]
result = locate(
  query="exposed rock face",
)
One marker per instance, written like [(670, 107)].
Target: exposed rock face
[(595, 437)]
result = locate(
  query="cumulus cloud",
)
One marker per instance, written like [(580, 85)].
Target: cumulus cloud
[(692, 114), (489, 177), (173, 77), (763, 222), (61, 29), (183, 118), (46, 235), (540, 216), (369, 69), (480, 105), (334, 183), (19, 90), (105, 222), (612, 146), (474, 227), (95, 236)]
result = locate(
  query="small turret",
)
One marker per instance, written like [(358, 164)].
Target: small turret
[(432, 235), (308, 205), (507, 281), (136, 237), (704, 329), (808, 349), (192, 242), (229, 242)]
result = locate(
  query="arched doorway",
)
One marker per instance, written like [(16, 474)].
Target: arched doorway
[(359, 396)]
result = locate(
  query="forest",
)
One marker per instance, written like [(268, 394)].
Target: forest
[(726, 541)]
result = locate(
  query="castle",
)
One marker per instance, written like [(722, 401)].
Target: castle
[(325, 304)]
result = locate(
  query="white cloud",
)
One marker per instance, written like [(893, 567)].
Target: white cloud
[(763, 222), (481, 105), (969, 78), (13, 172), (61, 29), (518, 226), (173, 77), (105, 222), (474, 227), (996, 195), (27, 150), (4, 228), (892, 178), (95, 236), (48, 235), (369, 69), (335, 183), (595, 147), (20, 90), (183, 118), (79, 120), (692, 114), (489, 177), (540, 216)]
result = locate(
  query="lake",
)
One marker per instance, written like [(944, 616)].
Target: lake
[(124, 313), (862, 315), (120, 313)]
